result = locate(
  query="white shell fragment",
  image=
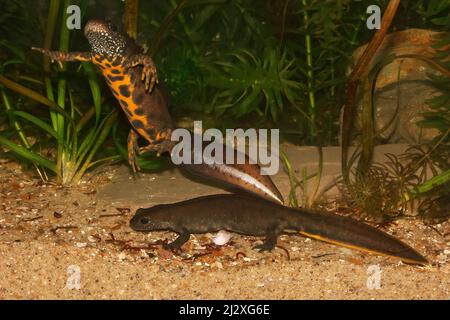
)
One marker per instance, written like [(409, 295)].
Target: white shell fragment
[(222, 237)]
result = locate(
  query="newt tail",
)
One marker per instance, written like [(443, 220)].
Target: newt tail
[(259, 217)]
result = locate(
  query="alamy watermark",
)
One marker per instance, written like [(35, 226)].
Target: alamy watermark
[(374, 278), (374, 20), (73, 21), (230, 149), (73, 281)]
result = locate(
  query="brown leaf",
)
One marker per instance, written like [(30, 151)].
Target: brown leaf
[(164, 254), (123, 210), (356, 261)]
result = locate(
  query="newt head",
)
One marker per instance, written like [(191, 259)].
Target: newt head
[(151, 219), (105, 39)]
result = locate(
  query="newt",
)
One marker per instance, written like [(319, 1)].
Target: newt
[(132, 78), (254, 216)]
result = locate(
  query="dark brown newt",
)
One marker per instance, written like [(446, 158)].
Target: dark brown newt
[(132, 77), (258, 217)]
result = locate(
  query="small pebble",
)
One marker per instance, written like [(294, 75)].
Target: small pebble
[(122, 256), (92, 239)]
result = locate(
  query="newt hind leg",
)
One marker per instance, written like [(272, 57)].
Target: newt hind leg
[(133, 148), (161, 144)]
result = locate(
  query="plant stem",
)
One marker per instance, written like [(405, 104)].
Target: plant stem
[(63, 153), (425, 156), (313, 197), (310, 74), (131, 17), (49, 32), (292, 180), (354, 80), (167, 22)]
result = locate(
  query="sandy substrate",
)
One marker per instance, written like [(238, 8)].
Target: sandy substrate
[(49, 235)]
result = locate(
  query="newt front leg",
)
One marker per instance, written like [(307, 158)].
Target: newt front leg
[(60, 56), (178, 242), (149, 74)]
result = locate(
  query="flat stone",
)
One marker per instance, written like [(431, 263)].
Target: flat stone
[(172, 185)]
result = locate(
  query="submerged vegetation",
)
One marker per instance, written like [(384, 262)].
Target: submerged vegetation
[(231, 63), (421, 176)]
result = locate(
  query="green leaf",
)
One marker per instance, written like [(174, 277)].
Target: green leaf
[(442, 21), (87, 143), (434, 122), (103, 133), (27, 154), (38, 122), (95, 89), (438, 101), (434, 182)]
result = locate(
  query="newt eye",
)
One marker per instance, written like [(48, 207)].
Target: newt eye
[(144, 220)]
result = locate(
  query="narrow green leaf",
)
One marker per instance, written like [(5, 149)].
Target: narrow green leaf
[(95, 89), (27, 154), (103, 134), (36, 121), (436, 181)]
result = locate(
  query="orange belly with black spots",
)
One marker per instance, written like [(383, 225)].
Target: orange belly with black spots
[(122, 84)]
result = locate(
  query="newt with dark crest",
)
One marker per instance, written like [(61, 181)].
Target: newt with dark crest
[(258, 217), (132, 77)]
